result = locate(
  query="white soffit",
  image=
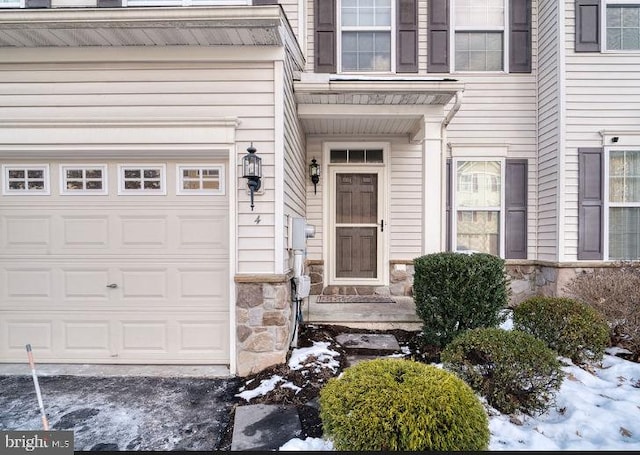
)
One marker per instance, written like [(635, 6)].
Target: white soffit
[(194, 26)]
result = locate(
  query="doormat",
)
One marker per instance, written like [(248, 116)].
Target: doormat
[(354, 299)]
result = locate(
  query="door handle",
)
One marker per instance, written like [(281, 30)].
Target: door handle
[(112, 285), (381, 225)]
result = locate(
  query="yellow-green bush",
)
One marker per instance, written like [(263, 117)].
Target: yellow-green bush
[(571, 328), (392, 404), (513, 370)]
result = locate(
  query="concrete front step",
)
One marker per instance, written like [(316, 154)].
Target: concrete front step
[(372, 316), (379, 343)]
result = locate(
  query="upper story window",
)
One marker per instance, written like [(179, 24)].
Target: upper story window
[(366, 38), (479, 30), (622, 26)]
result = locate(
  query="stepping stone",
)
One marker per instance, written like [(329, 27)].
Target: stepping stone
[(356, 359), (368, 342), (264, 426)]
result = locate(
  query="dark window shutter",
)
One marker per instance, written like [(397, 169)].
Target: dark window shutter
[(448, 183), (438, 36), (265, 2), (37, 4), (515, 205), (587, 25), (407, 36), (325, 36), (520, 36), (109, 3), (590, 203)]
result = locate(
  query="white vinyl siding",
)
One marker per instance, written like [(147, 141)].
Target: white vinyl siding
[(404, 226), (296, 167), (548, 130), (160, 83), (602, 93)]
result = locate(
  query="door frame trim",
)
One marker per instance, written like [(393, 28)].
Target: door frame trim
[(328, 212)]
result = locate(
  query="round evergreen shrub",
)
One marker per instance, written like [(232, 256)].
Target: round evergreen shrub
[(513, 370), (571, 328), (455, 292), (393, 404)]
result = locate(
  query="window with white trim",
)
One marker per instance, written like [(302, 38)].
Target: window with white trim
[(624, 204), (200, 179), (141, 179), (478, 202), (366, 35), (185, 2), (21, 179), (479, 28), (622, 25), (83, 179)]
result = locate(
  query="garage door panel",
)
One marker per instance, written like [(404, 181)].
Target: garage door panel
[(87, 337), (85, 232), (206, 283), (22, 331), (143, 231), (203, 232), (204, 337), (86, 284), (148, 283), (28, 283), (26, 232), (139, 336)]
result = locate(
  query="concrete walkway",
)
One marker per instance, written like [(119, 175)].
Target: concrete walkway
[(268, 427)]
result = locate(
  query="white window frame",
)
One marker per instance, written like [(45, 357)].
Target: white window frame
[(452, 39), (500, 209), (14, 4), (83, 192), (142, 192), (133, 3), (199, 192), (603, 25), (25, 167), (606, 203), (360, 28)]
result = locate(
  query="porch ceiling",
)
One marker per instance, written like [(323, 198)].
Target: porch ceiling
[(368, 106), (196, 26)]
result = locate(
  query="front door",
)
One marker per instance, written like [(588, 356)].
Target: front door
[(356, 226)]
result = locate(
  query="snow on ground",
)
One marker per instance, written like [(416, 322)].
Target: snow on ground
[(266, 386), (597, 410), (318, 354)]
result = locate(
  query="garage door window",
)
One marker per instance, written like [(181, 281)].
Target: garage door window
[(25, 179), (81, 179), (200, 179), (144, 180)]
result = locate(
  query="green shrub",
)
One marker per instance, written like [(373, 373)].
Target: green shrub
[(614, 293), (569, 327), (392, 404), (513, 370), (455, 292)]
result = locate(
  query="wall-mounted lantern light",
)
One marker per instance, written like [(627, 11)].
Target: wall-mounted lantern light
[(314, 172), (252, 171)]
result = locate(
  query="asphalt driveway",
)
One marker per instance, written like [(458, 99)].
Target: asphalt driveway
[(124, 413)]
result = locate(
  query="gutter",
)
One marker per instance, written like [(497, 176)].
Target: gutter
[(454, 110)]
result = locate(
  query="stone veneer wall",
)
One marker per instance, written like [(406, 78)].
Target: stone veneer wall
[(263, 315), (528, 278)]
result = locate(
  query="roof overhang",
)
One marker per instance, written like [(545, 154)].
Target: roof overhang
[(167, 26), (372, 105)]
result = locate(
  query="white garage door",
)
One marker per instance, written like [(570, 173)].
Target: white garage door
[(114, 262)]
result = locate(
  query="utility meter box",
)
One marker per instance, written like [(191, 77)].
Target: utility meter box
[(300, 232), (303, 286)]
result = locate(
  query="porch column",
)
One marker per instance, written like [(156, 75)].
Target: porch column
[(433, 189)]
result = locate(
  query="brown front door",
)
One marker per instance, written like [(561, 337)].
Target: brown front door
[(356, 225)]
